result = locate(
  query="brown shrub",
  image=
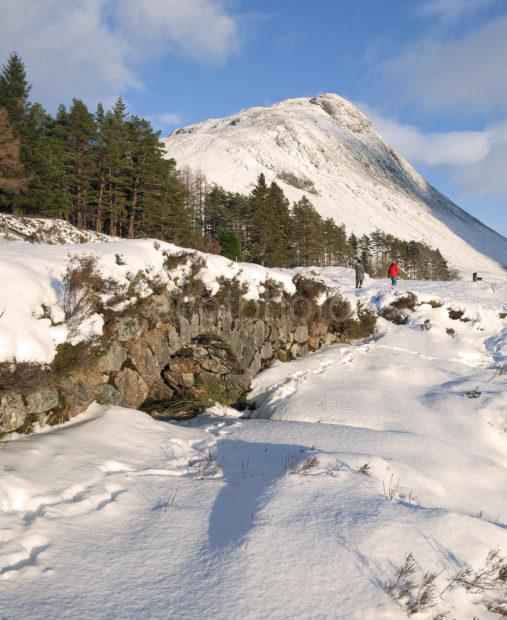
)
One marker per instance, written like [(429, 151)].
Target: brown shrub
[(457, 315), (365, 325), (83, 284), (308, 288), (407, 301), (336, 311), (70, 358), (394, 315)]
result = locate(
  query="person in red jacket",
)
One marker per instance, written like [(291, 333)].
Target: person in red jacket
[(393, 273)]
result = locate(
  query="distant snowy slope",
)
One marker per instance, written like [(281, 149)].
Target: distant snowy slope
[(325, 148), (45, 230)]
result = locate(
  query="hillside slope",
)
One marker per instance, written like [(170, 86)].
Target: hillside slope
[(325, 148)]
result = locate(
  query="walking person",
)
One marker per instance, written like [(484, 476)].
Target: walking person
[(393, 273), (359, 269)]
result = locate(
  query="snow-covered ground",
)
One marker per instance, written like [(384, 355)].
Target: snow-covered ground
[(116, 515)]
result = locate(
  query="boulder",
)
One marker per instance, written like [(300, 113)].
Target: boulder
[(127, 327), (282, 355), (106, 394), (12, 411), (113, 358), (42, 400), (141, 356), (78, 392), (131, 386), (301, 333), (266, 351)]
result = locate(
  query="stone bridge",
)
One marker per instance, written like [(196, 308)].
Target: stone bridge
[(167, 346)]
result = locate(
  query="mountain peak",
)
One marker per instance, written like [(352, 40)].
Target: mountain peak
[(325, 148), (343, 111)]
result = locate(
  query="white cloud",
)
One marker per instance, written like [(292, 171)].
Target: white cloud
[(166, 120), (432, 148), (462, 74), (201, 29), (451, 11), (487, 175), (169, 119), (475, 161), (92, 49)]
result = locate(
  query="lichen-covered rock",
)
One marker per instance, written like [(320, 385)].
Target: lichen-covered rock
[(318, 328), (113, 358), (160, 391), (301, 333), (41, 400), (127, 327), (249, 352), (266, 351), (78, 392), (141, 356), (313, 343), (131, 386), (282, 355), (181, 372), (158, 342), (12, 411), (107, 394), (259, 334)]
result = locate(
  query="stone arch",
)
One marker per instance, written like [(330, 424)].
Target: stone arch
[(207, 368)]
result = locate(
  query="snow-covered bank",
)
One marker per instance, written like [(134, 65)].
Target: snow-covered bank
[(117, 515), (32, 322)]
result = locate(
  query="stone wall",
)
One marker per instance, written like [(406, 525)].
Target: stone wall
[(207, 348)]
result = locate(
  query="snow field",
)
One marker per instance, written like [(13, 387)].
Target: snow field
[(354, 457)]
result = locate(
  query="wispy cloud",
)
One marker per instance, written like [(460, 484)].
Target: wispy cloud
[(166, 120), (474, 160), (453, 11), (460, 74), (93, 49)]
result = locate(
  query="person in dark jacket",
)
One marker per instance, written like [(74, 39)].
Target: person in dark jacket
[(359, 269), (393, 273)]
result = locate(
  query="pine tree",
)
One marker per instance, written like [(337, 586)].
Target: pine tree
[(40, 154), (258, 231), (308, 232), (277, 229), (230, 243), (13, 177), (77, 131), (14, 93)]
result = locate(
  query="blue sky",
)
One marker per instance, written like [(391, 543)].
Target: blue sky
[(430, 73)]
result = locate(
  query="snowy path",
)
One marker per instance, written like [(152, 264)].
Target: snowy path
[(115, 515)]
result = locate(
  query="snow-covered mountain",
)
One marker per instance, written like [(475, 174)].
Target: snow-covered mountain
[(327, 149)]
